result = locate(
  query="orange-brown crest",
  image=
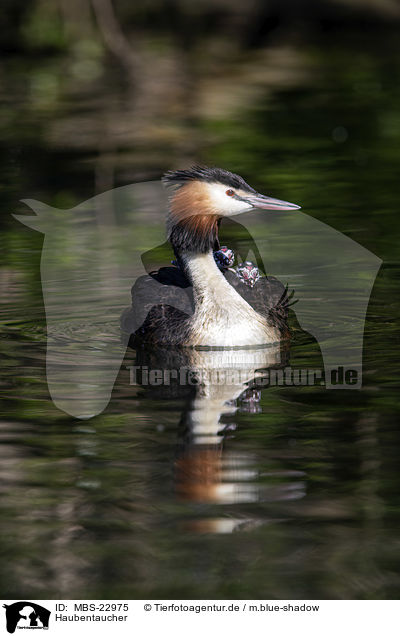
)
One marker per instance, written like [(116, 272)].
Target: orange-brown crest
[(190, 206), (191, 199)]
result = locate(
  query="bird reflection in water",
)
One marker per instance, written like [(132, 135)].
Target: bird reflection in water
[(208, 469), (223, 324)]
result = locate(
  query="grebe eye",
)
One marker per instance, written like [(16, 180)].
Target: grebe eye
[(230, 193)]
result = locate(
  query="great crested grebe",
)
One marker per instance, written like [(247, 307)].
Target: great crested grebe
[(201, 302)]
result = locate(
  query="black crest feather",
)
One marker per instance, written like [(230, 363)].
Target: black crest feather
[(209, 175)]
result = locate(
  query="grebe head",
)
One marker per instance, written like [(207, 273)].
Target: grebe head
[(201, 196)]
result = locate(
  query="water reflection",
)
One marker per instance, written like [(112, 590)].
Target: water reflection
[(215, 385)]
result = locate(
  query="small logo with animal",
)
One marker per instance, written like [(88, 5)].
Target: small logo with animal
[(26, 615)]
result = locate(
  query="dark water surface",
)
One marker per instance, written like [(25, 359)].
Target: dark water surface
[(295, 494)]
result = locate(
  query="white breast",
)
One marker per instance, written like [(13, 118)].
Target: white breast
[(222, 317)]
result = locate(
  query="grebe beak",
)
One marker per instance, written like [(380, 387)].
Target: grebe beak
[(268, 203)]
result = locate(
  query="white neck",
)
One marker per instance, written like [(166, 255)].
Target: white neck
[(222, 317)]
